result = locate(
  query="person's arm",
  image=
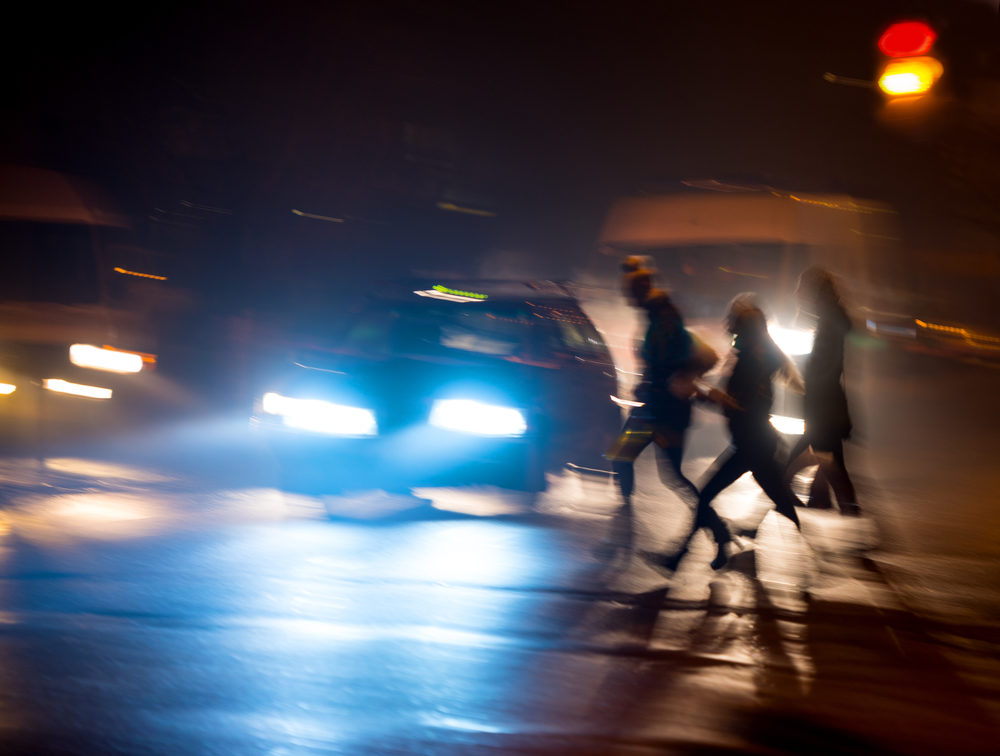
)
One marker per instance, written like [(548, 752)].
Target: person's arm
[(706, 388), (713, 395), (791, 375)]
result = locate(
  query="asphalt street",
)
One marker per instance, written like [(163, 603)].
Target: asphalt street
[(152, 609)]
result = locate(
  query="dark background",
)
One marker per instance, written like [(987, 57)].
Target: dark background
[(533, 115)]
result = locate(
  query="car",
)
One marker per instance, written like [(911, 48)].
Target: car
[(78, 351), (430, 383)]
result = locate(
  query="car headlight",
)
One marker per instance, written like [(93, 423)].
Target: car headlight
[(792, 341), (478, 418), (113, 360), (320, 416)]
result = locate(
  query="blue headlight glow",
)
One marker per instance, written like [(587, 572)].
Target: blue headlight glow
[(319, 416), (477, 418)]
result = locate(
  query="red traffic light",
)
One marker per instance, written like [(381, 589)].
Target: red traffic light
[(907, 38)]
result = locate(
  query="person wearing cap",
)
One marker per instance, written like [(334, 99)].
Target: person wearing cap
[(671, 360)]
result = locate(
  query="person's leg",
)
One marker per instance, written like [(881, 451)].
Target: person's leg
[(635, 436), (767, 472), (759, 442), (668, 465), (726, 470), (819, 491), (801, 457), (625, 477), (835, 469), (633, 439), (798, 458)]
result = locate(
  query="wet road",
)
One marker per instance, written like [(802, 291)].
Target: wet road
[(145, 611)]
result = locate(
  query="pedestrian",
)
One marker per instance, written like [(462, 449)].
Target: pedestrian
[(754, 364), (827, 419), (672, 358)]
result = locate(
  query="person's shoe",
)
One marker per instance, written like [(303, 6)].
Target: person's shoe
[(741, 542), (663, 562), (722, 555), (610, 547), (604, 549), (672, 562)]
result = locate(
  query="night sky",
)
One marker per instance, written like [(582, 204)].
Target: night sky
[(538, 113)]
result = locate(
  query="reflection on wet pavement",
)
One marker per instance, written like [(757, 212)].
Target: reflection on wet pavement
[(240, 619)]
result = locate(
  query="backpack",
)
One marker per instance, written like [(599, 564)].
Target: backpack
[(703, 357)]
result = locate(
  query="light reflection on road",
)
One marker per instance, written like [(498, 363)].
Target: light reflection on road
[(335, 634)]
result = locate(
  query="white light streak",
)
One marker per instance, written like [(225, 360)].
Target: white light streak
[(76, 389), (112, 360)]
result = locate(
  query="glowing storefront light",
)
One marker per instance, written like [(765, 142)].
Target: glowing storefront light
[(7, 389)]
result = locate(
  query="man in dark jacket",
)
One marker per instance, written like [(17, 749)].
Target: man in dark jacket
[(670, 360)]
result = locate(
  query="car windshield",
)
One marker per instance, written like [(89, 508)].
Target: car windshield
[(48, 262), (441, 328)]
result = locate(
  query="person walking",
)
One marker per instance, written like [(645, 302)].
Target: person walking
[(827, 419), (671, 359), (755, 362)]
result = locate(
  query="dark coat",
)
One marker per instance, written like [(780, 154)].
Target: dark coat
[(751, 385), (666, 350), (828, 421)]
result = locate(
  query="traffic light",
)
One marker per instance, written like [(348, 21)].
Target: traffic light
[(909, 69)]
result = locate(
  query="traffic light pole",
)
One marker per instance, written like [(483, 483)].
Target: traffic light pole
[(848, 81)]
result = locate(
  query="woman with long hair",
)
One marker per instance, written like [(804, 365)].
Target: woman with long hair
[(753, 446), (828, 422)]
